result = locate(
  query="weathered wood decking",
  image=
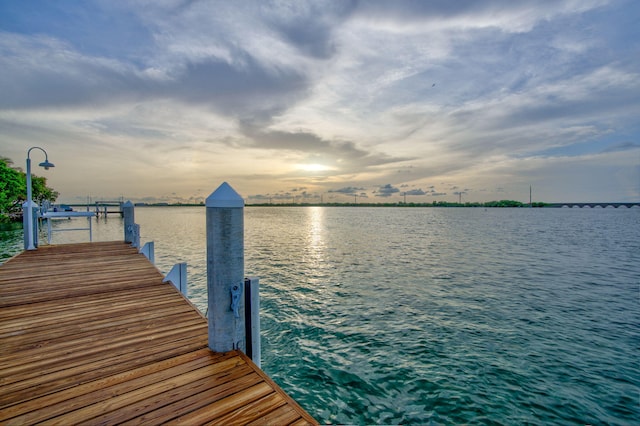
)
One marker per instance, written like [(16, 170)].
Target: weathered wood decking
[(89, 334)]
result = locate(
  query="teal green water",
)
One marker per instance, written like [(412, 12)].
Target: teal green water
[(434, 316)]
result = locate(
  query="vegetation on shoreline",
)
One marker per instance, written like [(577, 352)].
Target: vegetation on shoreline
[(13, 191), (501, 203)]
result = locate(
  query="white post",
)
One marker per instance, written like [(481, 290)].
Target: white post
[(129, 220), (136, 235), (30, 206), (29, 224), (48, 230), (225, 269)]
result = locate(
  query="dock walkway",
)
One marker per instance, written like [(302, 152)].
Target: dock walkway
[(89, 334)]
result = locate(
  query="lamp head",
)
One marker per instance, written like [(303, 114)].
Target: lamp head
[(46, 164)]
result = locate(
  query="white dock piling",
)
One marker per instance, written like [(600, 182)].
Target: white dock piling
[(30, 230), (225, 269), (128, 214)]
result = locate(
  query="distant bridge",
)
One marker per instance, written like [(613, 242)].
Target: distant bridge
[(592, 205)]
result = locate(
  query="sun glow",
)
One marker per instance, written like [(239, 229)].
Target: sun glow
[(313, 167)]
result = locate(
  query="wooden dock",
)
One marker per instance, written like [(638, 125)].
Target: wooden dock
[(89, 334)]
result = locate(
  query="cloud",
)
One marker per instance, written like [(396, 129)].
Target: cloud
[(622, 146), (347, 190), (502, 14), (71, 79), (386, 190), (41, 71), (341, 155), (415, 192)]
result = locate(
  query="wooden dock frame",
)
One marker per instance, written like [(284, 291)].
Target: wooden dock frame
[(102, 208), (90, 334)]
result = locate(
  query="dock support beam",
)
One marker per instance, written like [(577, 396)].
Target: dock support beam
[(178, 277), (148, 249), (252, 318), (225, 269)]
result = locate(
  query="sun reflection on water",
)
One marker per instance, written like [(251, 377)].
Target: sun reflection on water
[(315, 245)]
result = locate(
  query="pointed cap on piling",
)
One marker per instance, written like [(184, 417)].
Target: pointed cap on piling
[(128, 204), (224, 196)]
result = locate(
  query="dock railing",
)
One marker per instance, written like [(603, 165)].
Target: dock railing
[(49, 216)]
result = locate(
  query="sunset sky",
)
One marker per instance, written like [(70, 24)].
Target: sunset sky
[(164, 100)]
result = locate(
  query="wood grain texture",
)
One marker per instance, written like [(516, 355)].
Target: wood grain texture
[(89, 334)]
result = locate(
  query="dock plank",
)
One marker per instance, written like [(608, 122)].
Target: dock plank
[(281, 416), (89, 334), (197, 395), (51, 405)]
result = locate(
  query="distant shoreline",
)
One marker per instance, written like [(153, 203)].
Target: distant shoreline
[(489, 204)]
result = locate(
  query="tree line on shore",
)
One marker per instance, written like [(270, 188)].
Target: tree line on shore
[(13, 191), (500, 203)]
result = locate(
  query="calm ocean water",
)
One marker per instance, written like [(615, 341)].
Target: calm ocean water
[(431, 315)]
